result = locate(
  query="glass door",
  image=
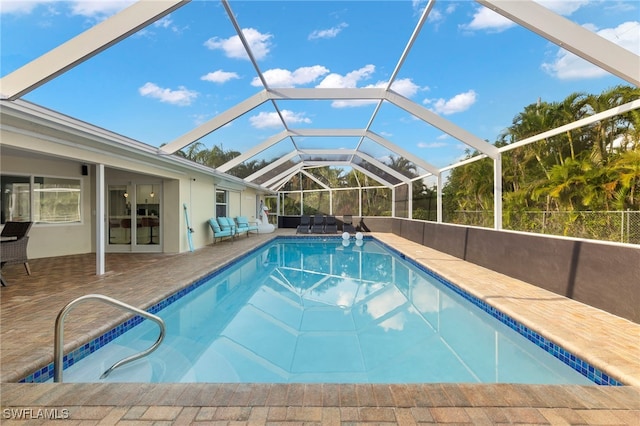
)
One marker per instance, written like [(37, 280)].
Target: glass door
[(148, 214), (134, 217), (119, 216)]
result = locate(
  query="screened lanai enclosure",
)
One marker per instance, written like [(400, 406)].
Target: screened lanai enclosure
[(351, 139)]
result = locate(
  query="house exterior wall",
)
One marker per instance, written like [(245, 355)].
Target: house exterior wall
[(64, 239), (33, 149)]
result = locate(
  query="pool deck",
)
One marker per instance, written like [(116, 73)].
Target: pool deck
[(29, 305)]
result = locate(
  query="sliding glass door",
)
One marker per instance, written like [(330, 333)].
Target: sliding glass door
[(134, 217)]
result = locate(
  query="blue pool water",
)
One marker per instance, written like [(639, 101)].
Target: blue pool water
[(326, 311)]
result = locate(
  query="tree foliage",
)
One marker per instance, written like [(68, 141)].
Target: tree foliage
[(592, 168)]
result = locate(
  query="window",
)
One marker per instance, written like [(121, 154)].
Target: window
[(40, 199), (221, 203)]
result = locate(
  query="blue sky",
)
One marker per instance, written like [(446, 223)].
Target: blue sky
[(468, 64)]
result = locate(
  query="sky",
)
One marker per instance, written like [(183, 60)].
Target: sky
[(468, 64)]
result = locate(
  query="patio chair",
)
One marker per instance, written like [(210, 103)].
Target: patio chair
[(305, 224), (245, 226), (330, 226), (13, 248), (231, 223), (318, 224), (347, 224), (217, 231)]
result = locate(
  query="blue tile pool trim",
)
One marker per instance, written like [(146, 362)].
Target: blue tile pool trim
[(563, 355), (592, 373)]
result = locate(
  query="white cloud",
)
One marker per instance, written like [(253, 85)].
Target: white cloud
[(19, 7), (181, 97), (88, 8), (328, 33), (349, 80), (278, 77), (406, 87), (99, 8), (563, 7), (567, 66), (431, 144), (219, 76), (271, 119), (487, 19), (260, 44), (458, 103)]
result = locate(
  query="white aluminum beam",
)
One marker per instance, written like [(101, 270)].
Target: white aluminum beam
[(497, 192), (630, 106), (84, 46), (464, 162), (442, 124), (570, 36), (352, 165), (215, 123), (271, 166), (326, 93), (383, 167), (406, 154), (315, 179), (352, 153), (255, 150), (289, 172)]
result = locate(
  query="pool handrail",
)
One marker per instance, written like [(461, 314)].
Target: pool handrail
[(58, 348)]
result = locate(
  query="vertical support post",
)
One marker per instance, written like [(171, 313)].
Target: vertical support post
[(330, 201), (100, 219), (497, 191), (410, 200), (393, 201), (439, 198)]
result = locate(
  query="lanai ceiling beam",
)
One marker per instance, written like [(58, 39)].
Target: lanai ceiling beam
[(289, 173), (348, 164), (570, 36), (621, 109), (272, 166), (396, 149), (369, 159), (403, 56), (315, 179), (215, 123), (315, 93), (443, 124), (255, 150), (84, 46), (247, 48), (353, 153)]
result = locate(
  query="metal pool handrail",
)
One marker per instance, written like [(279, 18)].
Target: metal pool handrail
[(58, 348)]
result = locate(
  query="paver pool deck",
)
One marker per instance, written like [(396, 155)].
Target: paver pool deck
[(30, 304)]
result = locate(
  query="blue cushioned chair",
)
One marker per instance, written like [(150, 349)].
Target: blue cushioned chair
[(243, 224), (217, 231)]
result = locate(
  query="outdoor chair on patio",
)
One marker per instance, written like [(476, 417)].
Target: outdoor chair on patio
[(13, 248), (331, 226), (305, 224), (227, 221), (245, 226), (318, 224), (347, 224), (217, 231)]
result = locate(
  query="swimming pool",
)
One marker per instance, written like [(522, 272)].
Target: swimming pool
[(326, 310)]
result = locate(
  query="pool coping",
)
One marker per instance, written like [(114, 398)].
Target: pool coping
[(600, 372)]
